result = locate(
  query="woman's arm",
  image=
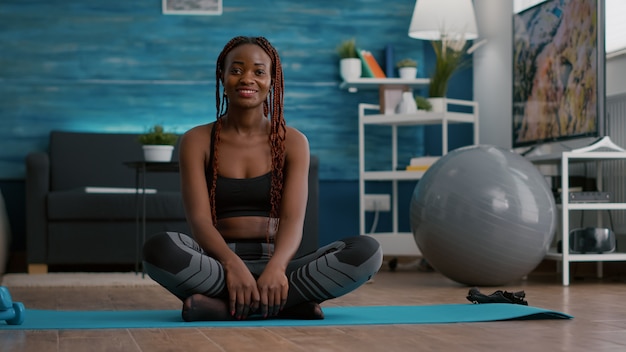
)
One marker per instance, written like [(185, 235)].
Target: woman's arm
[(294, 199), (244, 295), (195, 193), (273, 283)]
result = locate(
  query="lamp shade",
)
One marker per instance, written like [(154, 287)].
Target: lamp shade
[(433, 19)]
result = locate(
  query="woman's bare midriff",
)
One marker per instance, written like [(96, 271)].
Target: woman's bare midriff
[(245, 228)]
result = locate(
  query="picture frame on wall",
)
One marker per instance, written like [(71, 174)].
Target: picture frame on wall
[(192, 7)]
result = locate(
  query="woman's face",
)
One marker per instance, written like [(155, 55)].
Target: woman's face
[(247, 76)]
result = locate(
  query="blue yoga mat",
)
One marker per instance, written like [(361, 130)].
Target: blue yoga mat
[(377, 315)]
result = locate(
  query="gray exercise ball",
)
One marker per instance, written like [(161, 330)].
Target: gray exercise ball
[(483, 216)]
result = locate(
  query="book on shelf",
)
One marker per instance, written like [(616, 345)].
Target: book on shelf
[(423, 160), (421, 163), (417, 168), (377, 71), (389, 61), (367, 71)]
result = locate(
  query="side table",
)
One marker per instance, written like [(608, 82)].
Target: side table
[(141, 169)]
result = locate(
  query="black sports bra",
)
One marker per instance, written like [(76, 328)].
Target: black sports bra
[(243, 196), (239, 196)]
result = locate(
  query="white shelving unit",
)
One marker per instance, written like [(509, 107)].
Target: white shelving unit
[(377, 83), (397, 243), (602, 150)]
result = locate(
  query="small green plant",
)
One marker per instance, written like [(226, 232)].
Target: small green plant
[(347, 49), (451, 56), (423, 103), (406, 63), (156, 135)]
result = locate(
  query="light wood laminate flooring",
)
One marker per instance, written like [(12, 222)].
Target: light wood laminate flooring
[(597, 305)]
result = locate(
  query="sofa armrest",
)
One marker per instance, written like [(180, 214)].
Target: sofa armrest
[(37, 188)]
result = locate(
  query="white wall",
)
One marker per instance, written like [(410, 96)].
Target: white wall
[(493, 72), (616, 75), (493, 87)]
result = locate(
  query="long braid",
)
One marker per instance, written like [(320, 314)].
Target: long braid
[(221, 109), (272, 107), (218, 129), (277, 128)]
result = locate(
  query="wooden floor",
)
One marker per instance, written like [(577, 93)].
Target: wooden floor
[(597, 305)]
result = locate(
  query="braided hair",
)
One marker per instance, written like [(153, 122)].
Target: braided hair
[(272, 108)]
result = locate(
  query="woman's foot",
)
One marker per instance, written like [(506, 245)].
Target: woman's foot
[(199, 307), (303, 311)]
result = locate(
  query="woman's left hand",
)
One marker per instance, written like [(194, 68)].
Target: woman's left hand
[(273, 288)]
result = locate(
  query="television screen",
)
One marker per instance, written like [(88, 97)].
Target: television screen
[(558, 71)]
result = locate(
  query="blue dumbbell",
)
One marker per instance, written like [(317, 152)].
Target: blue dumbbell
[(11, 312), (6, 301), (13, 315)]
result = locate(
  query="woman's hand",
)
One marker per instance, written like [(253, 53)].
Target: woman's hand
[(273, 287), (242, 290)]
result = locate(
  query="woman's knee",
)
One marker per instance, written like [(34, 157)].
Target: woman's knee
[(165, 250), (154, 245), (360, 250)]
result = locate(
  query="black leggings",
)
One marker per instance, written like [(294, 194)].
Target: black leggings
[(177, 262)]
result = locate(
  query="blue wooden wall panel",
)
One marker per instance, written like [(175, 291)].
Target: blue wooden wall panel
[(120, 66)]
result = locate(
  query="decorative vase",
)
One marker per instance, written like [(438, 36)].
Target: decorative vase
[(407, 104), (158, 153), (350, 69), (407, 72), (438, 104)]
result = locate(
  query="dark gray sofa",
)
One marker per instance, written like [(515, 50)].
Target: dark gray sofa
[(67, 226)]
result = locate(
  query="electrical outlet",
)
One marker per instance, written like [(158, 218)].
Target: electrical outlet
[(377, 202)]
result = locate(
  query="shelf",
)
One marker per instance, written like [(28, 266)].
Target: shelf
[(418, 118), (596, 206), (376, 83), (592, 151), (573, 156), (392, 175), (590, 257), (601, 150), (395, 242)]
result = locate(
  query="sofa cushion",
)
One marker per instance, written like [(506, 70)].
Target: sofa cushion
[(93, 242), (79, 205)]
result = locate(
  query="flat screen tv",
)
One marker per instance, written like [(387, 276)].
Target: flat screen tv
[(558, 72)]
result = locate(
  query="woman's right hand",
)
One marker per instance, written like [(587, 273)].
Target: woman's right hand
[(243, 293)]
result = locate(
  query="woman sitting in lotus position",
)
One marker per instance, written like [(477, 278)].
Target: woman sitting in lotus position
[(244, 182)]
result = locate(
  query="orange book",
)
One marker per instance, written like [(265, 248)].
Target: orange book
[(374, 66), (417, 168)]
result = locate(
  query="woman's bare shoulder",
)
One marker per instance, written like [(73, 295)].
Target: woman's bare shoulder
[(294, 135), (296, 142), (198, 132)]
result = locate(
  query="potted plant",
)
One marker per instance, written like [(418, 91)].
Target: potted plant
[(158, 145), (451, 55), (407, 68), (423, 103), (349, 61)]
